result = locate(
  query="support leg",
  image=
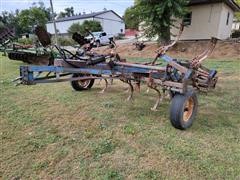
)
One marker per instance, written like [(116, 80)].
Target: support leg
[(130, 97)]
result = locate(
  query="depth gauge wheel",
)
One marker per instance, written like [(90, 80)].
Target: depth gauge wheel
[(81, 85), (183, 110)]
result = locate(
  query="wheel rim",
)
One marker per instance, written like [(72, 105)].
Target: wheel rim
[(188, 109), (84, 83)]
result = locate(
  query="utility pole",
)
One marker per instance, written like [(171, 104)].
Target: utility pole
[(54, 23)]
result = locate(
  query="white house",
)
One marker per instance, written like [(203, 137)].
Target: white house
[(236, 24), (208, 18), (111, 22)]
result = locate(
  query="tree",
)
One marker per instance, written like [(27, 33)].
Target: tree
[(10, 20), (131, 18), (158, 16), (29, 18), (76, 27), (68, 12), (237, 14), (92, 26), (1, 26), (23, 21), (47, 11)]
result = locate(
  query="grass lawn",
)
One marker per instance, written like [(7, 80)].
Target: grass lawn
[(51, 131)]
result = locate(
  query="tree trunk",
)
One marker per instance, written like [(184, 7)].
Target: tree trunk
[(164, 35)]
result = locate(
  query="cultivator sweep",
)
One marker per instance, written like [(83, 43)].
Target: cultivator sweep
[(181, 78)]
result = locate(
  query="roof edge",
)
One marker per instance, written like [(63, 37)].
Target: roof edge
[(86, 16), (231, 3)]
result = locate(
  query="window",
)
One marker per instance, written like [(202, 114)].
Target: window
[(103, 34), (228, 15), (187, 20)]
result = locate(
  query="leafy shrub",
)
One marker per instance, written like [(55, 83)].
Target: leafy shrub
[(105, 146), (236, 34), (120, 36), (92, 26), (64, 41), (112, 174), (26, 41)]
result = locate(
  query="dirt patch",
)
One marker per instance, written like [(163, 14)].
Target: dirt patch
[(181, 49)]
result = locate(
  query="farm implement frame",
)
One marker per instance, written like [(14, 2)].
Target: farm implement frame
[(182, 79)]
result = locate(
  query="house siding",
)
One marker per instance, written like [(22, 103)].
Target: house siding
[(63, 26), (224, 30), (111, 23), (208, 20)]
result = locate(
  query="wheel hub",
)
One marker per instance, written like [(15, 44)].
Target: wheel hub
[(84, 83), (188, 109)]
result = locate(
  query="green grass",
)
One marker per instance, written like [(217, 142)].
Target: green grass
[(50, 131)]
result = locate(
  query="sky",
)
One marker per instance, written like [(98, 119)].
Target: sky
[(87, 6)]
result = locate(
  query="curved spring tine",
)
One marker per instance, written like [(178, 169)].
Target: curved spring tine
[(148, 89), (100, 80), (137, 87), (163, 49), (130, 97), (111, 80), (166, 94), (106, 86), (159, 99), (200, 58)]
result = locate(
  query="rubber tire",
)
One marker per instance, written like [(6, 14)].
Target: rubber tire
[(77, 86), (177, 110)]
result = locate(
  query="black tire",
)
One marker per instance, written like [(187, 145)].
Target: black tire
[(183, 110), (81, 85)]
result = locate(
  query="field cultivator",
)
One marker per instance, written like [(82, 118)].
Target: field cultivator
[(37, 54), (181, 78)]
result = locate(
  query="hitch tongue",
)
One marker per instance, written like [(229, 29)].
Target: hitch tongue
[(17, 79)]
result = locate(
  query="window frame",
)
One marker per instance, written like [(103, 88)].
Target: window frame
[(187, 19), (228, 17)]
